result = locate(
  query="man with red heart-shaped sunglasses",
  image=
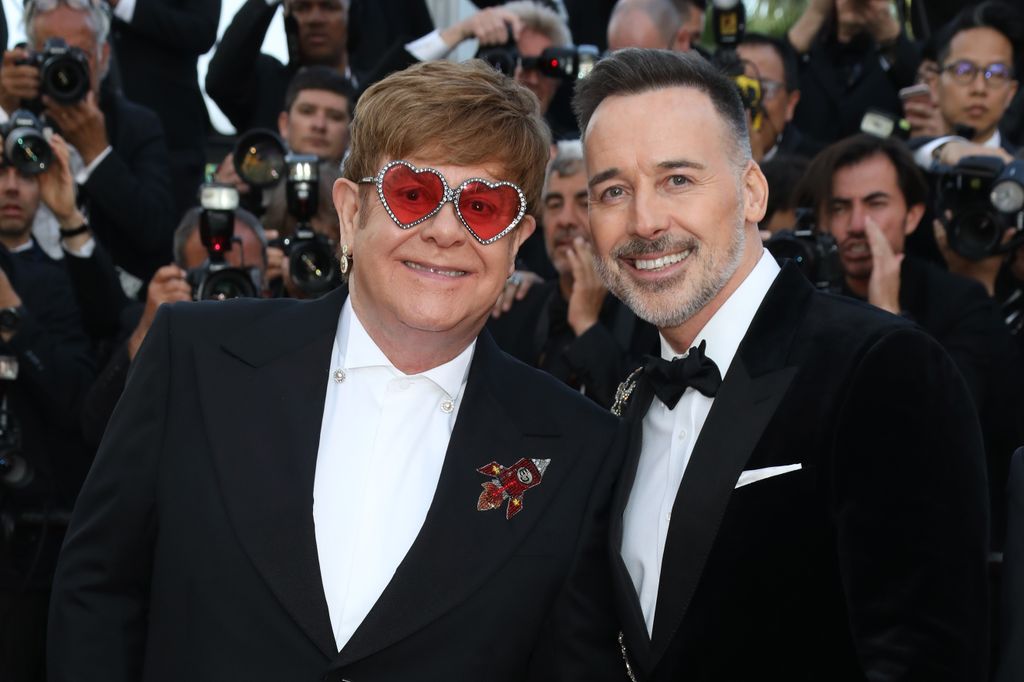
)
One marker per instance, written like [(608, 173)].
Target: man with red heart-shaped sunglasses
[(292, 489)]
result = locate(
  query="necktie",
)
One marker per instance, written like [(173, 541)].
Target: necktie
[(670, 379)]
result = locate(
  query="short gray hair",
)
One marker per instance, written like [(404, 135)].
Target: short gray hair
[(190, 223), (568, 160), (97, 16), (539, 18), (663, 14)]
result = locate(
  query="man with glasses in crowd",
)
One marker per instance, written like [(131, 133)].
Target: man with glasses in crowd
[(360, 486), (976, 82)]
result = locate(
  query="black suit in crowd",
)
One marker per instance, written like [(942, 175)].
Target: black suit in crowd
[(128, 195), (794, 142), (536, 330), (959, 314), (157, 57), (869, 562), (1011, 664), (838, 83), (191, 554)]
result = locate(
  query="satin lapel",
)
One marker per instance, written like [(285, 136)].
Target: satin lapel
[(627, 603), (458, 547), (751, 392), (262, 397)]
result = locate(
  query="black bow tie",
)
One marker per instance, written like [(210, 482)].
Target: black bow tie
[(670, 379)]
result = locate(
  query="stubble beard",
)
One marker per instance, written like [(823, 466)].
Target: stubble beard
[(696, 286)]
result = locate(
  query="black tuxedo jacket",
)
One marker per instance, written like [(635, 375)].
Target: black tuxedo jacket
[(191, 554), (866, 563)]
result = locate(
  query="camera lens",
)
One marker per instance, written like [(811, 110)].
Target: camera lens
[(1008, 196), (259, 158), (65, 79), (28, 150), (312, 266), (975, 233), (225, 284)]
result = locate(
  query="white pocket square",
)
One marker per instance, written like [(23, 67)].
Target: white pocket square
[(755, 475)]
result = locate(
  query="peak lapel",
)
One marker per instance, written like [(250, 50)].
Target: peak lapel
[(263, 396), (459, 548)]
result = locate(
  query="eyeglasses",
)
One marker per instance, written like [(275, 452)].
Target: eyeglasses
[(964, 72), (410, 195)]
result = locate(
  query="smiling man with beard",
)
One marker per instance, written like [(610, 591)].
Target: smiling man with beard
[(804, 497)]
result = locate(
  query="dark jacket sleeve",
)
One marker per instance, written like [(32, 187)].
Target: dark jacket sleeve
[(129, 193), (191, 27), (98, 292), (54, 359), (909, 502), (97, 624), (231, 79), (599, 361)]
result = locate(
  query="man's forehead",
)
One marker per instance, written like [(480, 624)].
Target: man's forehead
[(322, 97), (981, 41)]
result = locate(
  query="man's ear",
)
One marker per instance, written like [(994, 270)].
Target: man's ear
[(793, 100), (282, 125), (519, 237), (346, 203), (755, 187), (913, 218)]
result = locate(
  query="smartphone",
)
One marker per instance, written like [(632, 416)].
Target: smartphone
[(916, 93)]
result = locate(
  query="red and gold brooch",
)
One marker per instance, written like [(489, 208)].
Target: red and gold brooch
[(509, 483)]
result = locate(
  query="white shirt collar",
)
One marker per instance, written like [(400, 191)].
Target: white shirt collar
[(21, 248), (729, 324), (357, 350), (995, 141)]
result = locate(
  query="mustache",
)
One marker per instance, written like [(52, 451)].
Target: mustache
[(641, 247)]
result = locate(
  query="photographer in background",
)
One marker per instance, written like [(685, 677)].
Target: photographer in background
[(169, 284), (45, 368), (158, 44), (120, 157), (977, 79), (854, 56), (869, 195), (249, 85), (570, 327)]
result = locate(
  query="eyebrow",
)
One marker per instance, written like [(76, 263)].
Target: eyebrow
[(870, 197), (671, 164)]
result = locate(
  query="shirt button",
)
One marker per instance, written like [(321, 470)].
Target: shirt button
[(447, 406), (681, 435), (339, 375)]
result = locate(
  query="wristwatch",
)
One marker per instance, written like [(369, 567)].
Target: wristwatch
[(10, 319)]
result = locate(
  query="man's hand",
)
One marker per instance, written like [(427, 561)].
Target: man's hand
[(588, 291), (279, 267), (924, 118), (8, 299), (951, 152), (801, 35), (884, 285), (879, 20), (515, 289), (167, 286), (985, 270), (488, 26), (17, 82), (57, 187), (228, 174), (82, 123)]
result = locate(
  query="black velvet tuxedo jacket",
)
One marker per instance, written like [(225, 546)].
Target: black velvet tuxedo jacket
[(191, 554), (867, 563)]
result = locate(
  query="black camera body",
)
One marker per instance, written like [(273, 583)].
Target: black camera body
[(63, 71), (816, 253), (216, 280), (565, 63), (25, 145), (977, 200), (729, 25), (262, 160)]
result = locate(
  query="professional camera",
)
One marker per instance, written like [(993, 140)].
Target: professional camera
[(262, 160), (25, 146), (565, 63), (729, 23), (816, 253), (63, 71), (215, 280), (977, 200)]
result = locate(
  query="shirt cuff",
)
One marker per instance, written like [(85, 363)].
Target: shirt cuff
[(85, 251), (82, 176), (429, 47), (125, 10), (924, 156)]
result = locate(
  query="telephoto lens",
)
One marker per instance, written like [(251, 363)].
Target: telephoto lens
[(25, 145), (259, 158)]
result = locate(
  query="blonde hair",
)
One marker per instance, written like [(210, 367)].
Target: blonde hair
[(462, 114)]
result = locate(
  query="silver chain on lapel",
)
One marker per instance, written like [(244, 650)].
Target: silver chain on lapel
[(625, 390), (625, 657)]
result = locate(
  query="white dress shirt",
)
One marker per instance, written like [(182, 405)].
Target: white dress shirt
[(382, 443), (669, 437)]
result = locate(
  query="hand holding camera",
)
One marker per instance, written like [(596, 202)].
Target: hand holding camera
[(491, 26), (167, 286)]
